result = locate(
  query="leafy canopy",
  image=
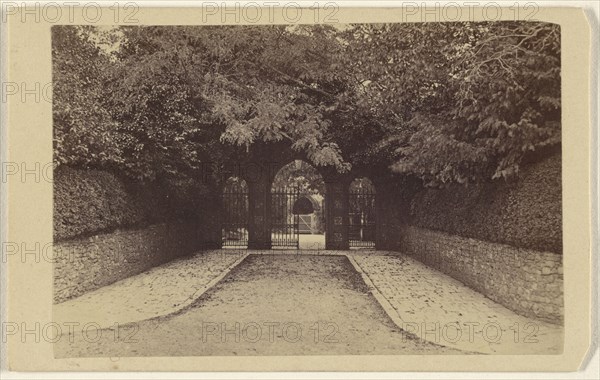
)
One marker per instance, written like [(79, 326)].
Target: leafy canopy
[(446, 102)]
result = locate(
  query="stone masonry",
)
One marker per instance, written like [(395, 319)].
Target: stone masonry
[(85, 264), (526, 281)]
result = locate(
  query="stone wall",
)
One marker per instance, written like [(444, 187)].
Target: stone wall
[(87, 263), (526, 281), (108, 227), (501, 238)]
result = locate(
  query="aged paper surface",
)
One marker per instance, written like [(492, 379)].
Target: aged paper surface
[(30, 216)]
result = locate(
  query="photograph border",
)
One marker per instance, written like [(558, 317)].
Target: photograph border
[(30, 209)]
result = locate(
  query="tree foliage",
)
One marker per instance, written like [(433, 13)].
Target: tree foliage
[(446, 102), (84, 132), (460, 102)]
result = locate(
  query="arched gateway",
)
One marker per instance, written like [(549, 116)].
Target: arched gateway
[(258, 212)]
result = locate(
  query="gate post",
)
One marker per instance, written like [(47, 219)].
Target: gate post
[(259, 200), (336, 214)]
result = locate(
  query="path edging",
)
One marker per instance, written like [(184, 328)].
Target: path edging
[(385, 304), (210, 284), (110, 323)]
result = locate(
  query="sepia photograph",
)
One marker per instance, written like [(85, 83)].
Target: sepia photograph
[(321, 189)]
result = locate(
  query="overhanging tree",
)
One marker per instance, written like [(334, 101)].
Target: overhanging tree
[(446, 102), (460, 102)]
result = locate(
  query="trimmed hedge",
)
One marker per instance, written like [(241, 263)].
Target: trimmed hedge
[(526, 213), (91, 201)]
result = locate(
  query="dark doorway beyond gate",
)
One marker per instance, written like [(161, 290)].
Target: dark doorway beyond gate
[(297, 195), (284, 223)]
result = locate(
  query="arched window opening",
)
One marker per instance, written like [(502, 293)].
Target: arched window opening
[(361, 214), (234, 220)]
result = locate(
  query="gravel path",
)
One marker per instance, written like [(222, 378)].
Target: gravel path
[(158, 291), (267, 305), (442, 310)]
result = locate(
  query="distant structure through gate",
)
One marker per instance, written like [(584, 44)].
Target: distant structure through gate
[(255, 214)]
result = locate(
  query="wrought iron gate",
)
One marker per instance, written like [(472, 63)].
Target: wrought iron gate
[(284, 224), (362, 218), (234, 222)]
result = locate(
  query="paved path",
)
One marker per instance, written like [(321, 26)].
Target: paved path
[(440, 309), (312, 241), (267, 305), (418, 299), (156, 292)]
